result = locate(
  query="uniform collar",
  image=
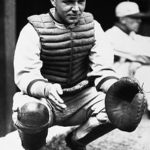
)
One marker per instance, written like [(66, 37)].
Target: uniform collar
[(123, 28)]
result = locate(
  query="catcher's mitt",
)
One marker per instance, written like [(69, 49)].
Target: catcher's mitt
[(125, 104)]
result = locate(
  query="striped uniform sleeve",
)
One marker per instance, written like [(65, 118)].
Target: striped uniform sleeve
[(101, 61)]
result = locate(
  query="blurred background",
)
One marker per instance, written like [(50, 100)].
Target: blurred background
[(13, 14)]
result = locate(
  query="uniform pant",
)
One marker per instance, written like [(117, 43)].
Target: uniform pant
[(86, 109)]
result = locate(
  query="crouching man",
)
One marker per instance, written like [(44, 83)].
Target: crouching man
[(62, 66)]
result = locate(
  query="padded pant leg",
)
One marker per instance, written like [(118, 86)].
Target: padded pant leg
[(32, 117), (33, 141), (32, 124), (92, 129), (96, 133)]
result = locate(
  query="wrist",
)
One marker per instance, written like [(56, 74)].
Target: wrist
[(108, 84), (37, 88), (105, 83)]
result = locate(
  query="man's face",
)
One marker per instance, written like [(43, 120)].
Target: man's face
[(69, 11), (133, 24)]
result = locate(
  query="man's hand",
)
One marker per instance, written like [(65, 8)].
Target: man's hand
[(53, 92), (133, 67)]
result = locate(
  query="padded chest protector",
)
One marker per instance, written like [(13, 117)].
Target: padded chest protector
[(64, 51)]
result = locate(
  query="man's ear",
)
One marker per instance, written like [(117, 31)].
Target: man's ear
[(123, 20), (53, 2)]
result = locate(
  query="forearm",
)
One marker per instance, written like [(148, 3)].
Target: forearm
[(25, 80), (104, 77), (44, 89), (37, 87), (105, 83)]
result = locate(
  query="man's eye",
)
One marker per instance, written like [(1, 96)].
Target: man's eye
[(73, 1), (68, 1), (81, 1)]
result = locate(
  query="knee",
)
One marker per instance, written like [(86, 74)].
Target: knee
[(32, 116)]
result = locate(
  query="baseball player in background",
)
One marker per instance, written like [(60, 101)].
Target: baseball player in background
[(132, 51)]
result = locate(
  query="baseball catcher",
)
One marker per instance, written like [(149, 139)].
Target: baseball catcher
[(63, 69)]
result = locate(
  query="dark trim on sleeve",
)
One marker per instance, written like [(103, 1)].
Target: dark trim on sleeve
[(107, 69), (31, 83), (104, 80)]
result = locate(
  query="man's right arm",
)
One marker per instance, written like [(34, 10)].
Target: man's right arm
[(27, 63)]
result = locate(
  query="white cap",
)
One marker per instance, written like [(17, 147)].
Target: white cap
[(127, 8)]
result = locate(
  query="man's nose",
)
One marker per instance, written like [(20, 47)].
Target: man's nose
[(139, 20), (75, 6)]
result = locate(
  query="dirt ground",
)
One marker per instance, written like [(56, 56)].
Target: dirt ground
[(115, 140), (118, 140)]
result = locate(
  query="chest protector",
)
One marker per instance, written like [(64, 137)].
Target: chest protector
[(64, 51)]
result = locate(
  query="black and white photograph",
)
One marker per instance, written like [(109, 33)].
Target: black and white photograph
[(75, 75)]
